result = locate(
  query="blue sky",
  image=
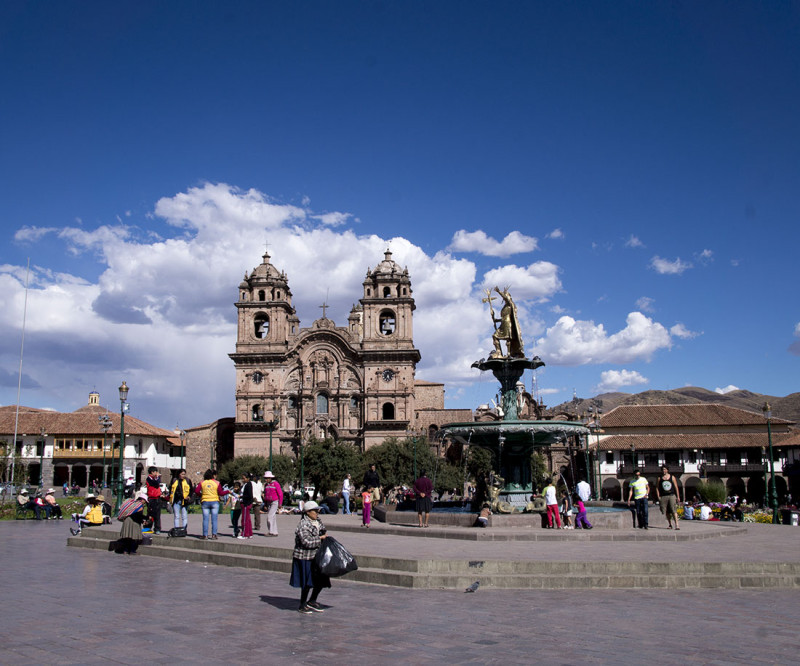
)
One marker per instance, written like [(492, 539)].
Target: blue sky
[(631, 170)]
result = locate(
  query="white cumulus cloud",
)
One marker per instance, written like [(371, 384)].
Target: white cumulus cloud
[(727, 389), (680, 331), (633, 241), (477, 241), (613, 380), (666, 267), (645, 304), (536, 282), (573, 342), (556, 234)]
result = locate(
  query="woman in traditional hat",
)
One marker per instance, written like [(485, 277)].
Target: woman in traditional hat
[(307, 539), (130, 536)]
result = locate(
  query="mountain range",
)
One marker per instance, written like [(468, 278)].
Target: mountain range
[(787, 407)]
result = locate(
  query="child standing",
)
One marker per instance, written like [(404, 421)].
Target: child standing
[(236, 507), (366, 496), (566, 511), (581, 522)]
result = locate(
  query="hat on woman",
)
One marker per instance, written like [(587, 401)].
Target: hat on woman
[(269, 475), (141, 495), (310, 506)]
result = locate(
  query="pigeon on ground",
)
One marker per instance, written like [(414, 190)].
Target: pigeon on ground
[(473, 587)]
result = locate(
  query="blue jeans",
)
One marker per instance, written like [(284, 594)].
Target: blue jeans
[(179, 515), (346, 498), (641, 511), (210, 509)]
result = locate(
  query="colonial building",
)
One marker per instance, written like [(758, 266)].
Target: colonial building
[(353, 383), (697, 442), (54, 447)]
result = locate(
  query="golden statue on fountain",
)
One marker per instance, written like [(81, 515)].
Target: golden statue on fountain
[(506, 326)]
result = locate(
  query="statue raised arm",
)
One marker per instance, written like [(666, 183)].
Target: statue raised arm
[(508, 329)]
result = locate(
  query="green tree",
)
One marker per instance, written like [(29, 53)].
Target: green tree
[(326, 462), (233, 469), (479, 462), (448, 477), (394, 461), (540, 471)]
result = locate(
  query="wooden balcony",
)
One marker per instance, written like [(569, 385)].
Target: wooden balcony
[(84, 453), (734, 468)]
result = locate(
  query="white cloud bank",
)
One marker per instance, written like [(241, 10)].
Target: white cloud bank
[(161, 315), (613, 380), (573, 342), (728, 389)]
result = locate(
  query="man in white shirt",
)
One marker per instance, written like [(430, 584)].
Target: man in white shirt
[(584, 490), (705, 512), (346, 487), (258, 498)]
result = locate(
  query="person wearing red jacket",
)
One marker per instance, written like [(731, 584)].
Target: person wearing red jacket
[(273, 498), (154, 497)]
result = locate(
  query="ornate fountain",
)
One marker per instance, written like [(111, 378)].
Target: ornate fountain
[(511, 440)]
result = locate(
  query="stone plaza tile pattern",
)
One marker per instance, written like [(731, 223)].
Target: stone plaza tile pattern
[(75, 606)]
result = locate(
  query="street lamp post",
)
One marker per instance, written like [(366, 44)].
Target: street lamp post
[(105, 426), (41, 459), (182, 435), (123, 396), (773, 491), (595, 413), (276, 415), (765, 499)]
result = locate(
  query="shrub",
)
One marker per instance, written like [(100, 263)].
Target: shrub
[(712, 491)]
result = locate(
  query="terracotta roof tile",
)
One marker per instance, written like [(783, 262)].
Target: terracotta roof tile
[(692, 441), (81, 422)]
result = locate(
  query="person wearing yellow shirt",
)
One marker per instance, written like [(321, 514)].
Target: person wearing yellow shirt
[(639, 493), (179, 494)]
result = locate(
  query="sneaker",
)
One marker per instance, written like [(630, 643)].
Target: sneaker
[(214, 536), (305, 610), (74, 532), (241, 537), (314, 606)]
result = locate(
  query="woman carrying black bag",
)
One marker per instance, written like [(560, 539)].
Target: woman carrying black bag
[(307, 539)]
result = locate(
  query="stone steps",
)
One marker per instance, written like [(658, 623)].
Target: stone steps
[(499, 574)]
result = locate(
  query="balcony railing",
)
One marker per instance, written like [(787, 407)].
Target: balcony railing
[(84, 453), (628, 469), (733, 468)]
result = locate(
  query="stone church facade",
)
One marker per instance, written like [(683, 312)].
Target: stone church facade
[(353, 383)]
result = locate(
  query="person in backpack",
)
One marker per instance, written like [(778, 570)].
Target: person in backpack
[(179, 496), (91, 515)]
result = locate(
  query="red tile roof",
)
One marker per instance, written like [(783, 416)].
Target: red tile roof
[(83, 421), (671, 442), (709, 414)]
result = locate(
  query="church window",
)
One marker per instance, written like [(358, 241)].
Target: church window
[(387, 411), (387, 291), (322, 404), (292, 402), (257, 413), (244, 295), (278, 294), (261, 325), (387, 322), (353, 403), (405, 291), (262, 296), (369, 292)]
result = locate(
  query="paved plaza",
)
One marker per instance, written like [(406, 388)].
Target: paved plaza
[(73, 605)]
